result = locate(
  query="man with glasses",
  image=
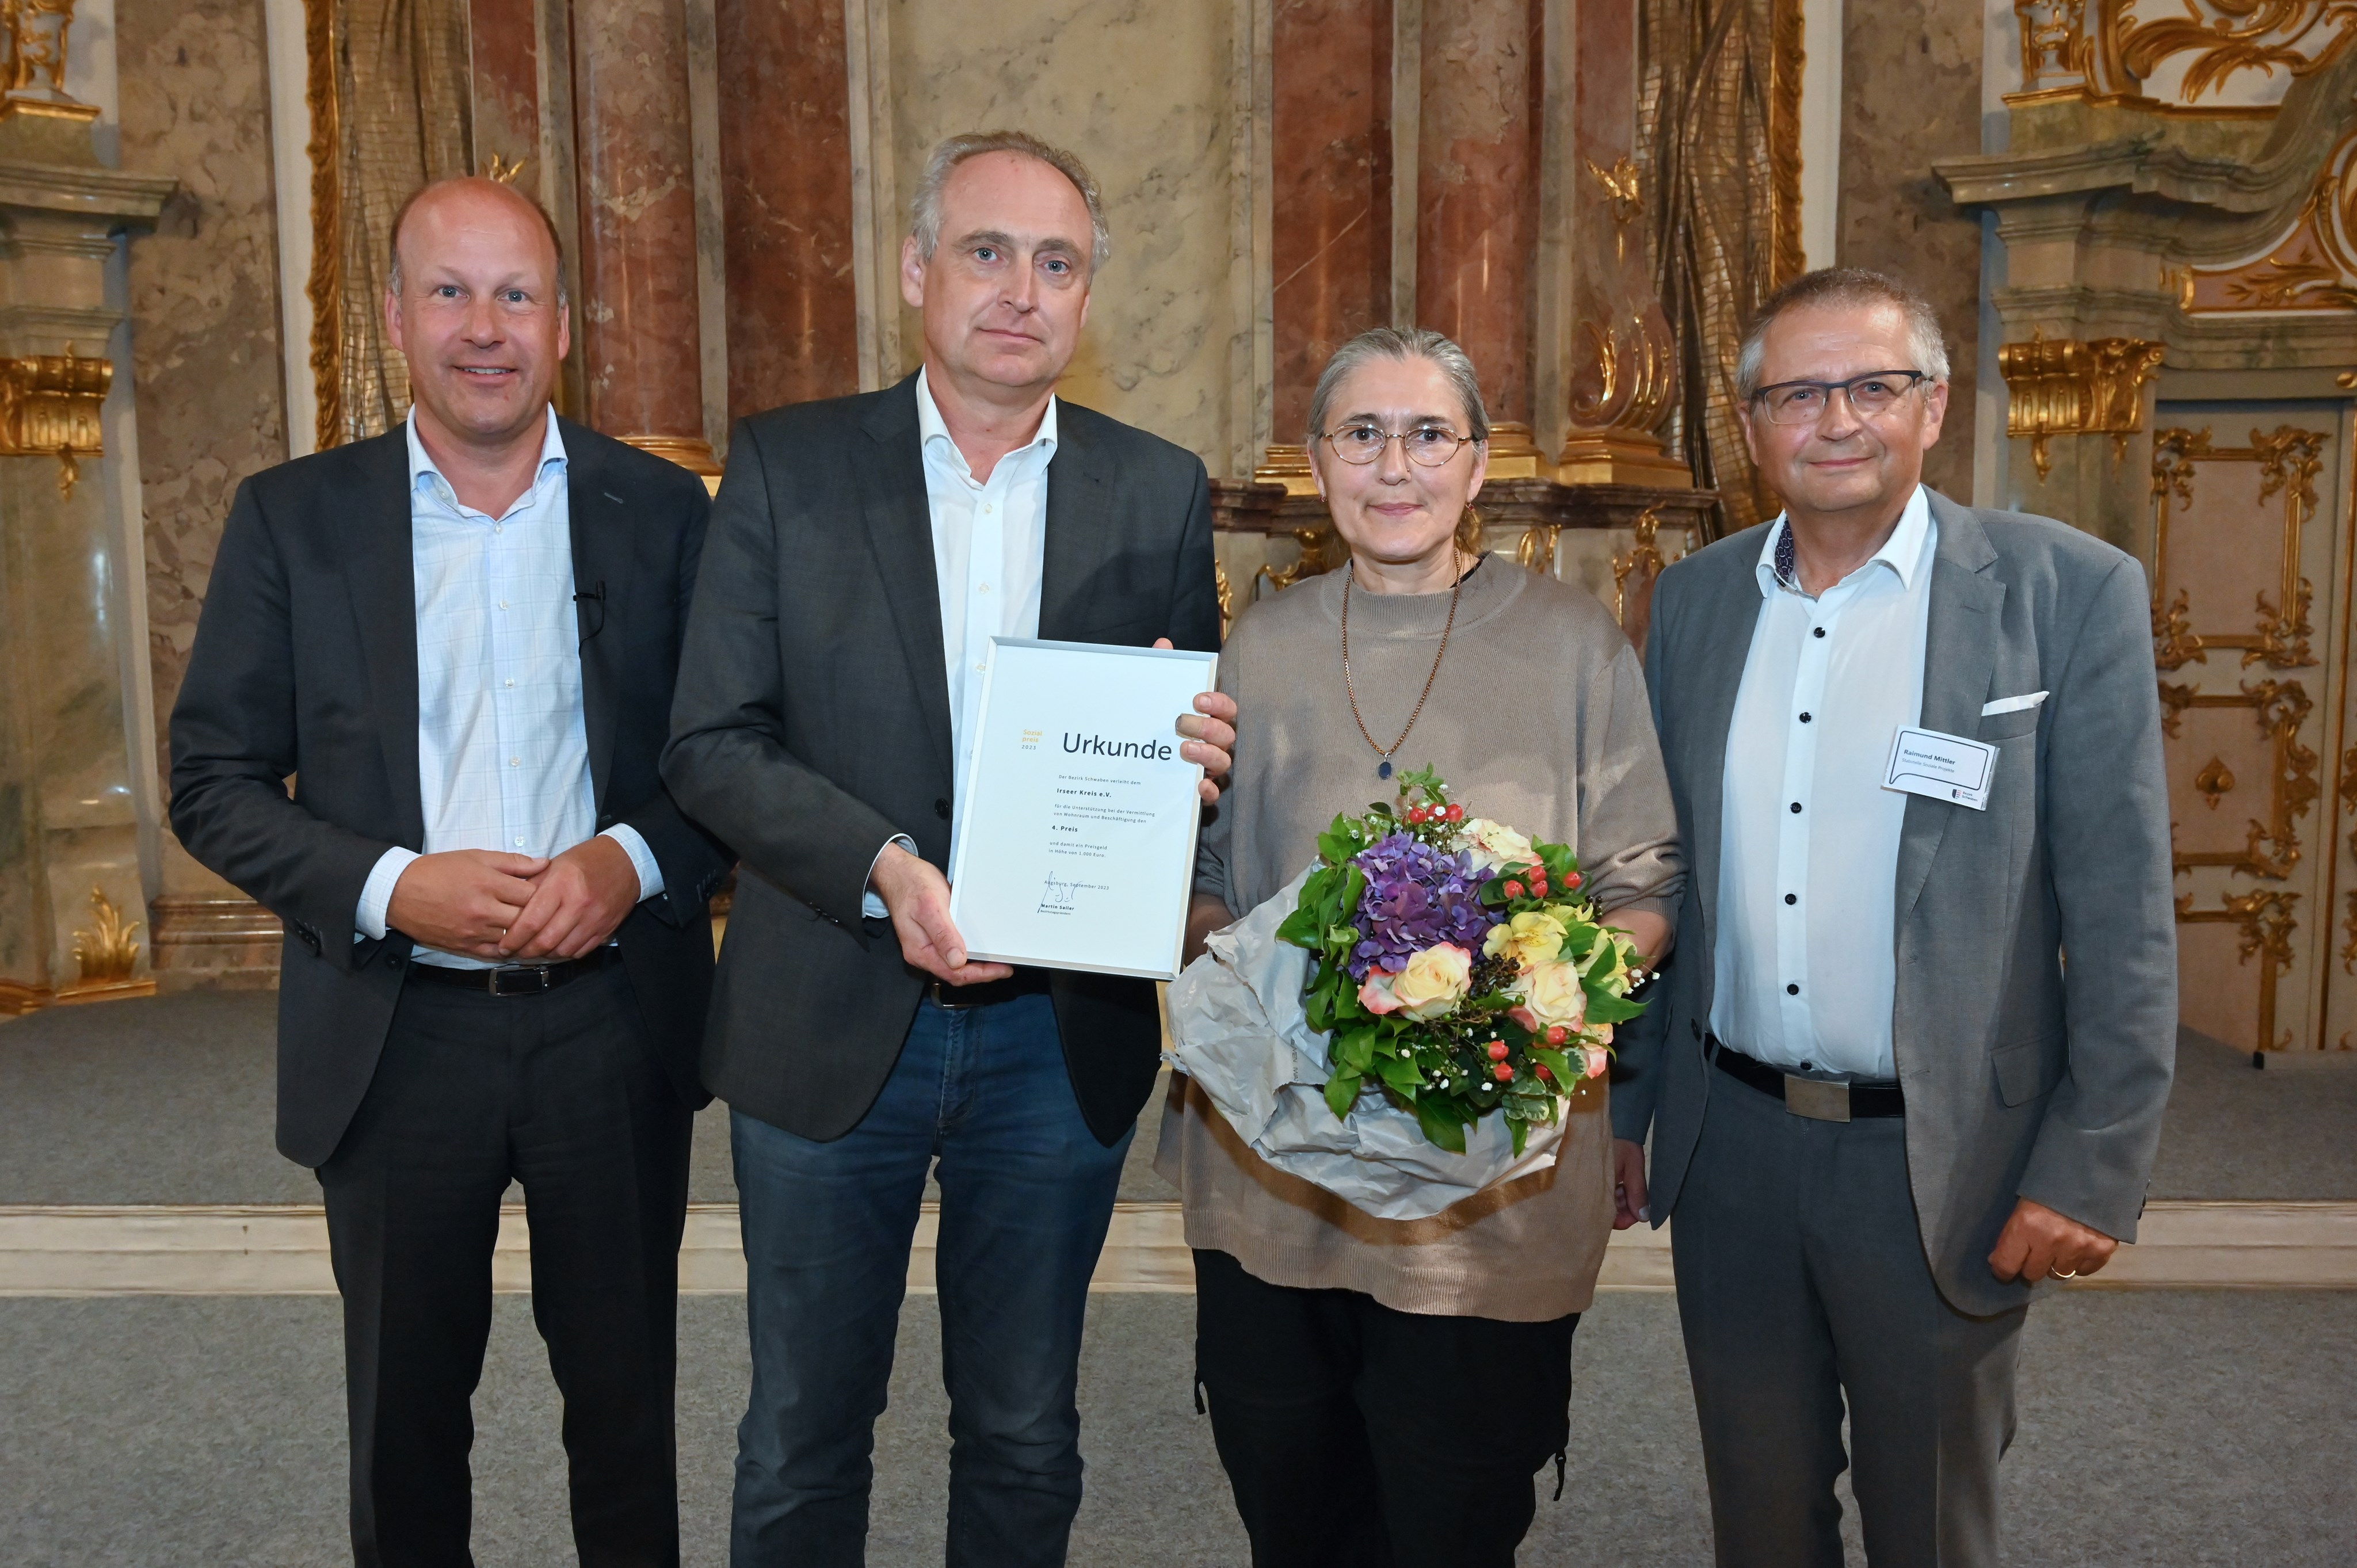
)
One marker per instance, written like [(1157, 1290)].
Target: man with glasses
[(863, 552), (1915, 749)]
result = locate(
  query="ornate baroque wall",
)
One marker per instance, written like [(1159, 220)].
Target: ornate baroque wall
[(204, 302), (1910, 96)]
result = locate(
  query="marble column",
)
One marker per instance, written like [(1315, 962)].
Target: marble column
[(636, 307), (1477, 195), (785, 161), (72, 900), (1621, 358), (1330, 248), (503, 37)]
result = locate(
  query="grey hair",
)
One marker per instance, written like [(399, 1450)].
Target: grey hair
[(925, 207), (1926, 345), (1401, 343), (393, 273)]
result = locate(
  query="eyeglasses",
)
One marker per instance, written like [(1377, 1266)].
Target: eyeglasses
[(1804, 402), (1427, 445)]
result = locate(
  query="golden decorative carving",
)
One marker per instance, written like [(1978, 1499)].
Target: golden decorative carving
[(1644, 555), (2101, 52), (2174, 700), (33, 33), (2215, 780), (1312, 561), (1623, 199), (2310, 266), (2272, 847), (503, 171), (2289, 459), (1535, 551), (326, 287), (107, 951), (48, 408), (2262, 919), (1227, 595), (1788, 30), (1287, 465), (2062, 386), (1621, 390)]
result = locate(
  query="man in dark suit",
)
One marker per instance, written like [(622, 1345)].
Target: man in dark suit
[(863, 551), (1915, 749), (458, 640)]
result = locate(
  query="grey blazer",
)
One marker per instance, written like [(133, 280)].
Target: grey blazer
[(813, 723), (2022, 1079)]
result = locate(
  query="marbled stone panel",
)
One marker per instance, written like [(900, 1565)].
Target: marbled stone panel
[(1142, 91), (1331, 245), (785, 158), (204, 300), (1912, 96), (504, 41), (1477, 189), (639, 326)]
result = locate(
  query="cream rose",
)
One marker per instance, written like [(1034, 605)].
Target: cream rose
[(1532, 937), (1494, 844), (1433, 981), (1553, 994)]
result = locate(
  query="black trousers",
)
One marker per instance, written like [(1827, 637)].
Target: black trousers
[(1354, 1435), (560, 1092)]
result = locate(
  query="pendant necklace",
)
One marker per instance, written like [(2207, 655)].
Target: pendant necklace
[(1383, 754)]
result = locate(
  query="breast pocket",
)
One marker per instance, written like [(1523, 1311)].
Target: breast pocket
[(1999, 729)]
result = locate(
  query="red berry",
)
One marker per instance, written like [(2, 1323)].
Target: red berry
[(1504, 1073), (1543, 1073), (1513, 889), (1557, 1033), (1456, 812), (1573, 880), (1538, 889), (1497, 1050), (1416, 814)]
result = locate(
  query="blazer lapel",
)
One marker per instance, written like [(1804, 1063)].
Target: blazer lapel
[(598, 525), (1727, 617), (1078, 534), (1959, 656), (381, 575), (900, 533)]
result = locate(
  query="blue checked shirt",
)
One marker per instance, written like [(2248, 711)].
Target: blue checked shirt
[(503, 747)]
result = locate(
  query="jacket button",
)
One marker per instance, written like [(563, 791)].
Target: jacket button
[(942, 809), (392, 960)]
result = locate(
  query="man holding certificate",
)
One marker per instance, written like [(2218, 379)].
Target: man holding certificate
[(864, 555)]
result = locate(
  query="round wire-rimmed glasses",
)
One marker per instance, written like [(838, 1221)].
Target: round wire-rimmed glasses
[(1427, 445), (1804, 402)]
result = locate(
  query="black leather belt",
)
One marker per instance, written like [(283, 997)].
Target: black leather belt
[(1022, 982), (1815, 1098), (515, 979)]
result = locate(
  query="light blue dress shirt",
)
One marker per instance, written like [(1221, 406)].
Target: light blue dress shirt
[(990, 546), (502, 744), (1805, 955)]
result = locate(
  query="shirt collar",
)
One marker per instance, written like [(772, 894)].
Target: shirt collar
[(932, 428), (1905, 551), (420, 465)]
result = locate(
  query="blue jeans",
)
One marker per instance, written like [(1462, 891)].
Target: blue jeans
[(1027, 1193)]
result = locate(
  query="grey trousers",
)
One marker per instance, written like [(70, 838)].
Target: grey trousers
[(1801, 1279)]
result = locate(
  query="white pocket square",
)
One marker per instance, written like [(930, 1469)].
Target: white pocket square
[(2013, 705)]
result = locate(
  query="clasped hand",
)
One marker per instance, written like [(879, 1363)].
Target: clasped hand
[(489, 904), (918, 895)]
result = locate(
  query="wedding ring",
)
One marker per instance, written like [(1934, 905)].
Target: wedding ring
[(2064, 1273)]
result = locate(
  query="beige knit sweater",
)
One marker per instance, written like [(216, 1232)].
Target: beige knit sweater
[(1537, 719)]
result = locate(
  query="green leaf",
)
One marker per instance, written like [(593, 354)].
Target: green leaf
[(1558, 1062), (1400, 1076), (1341, 1092), (1433, 1116), (1354, 1050), (1520, 1128), (1603, 1007)]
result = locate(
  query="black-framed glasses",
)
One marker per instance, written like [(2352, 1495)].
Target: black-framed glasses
[(1427, 445), (1804, 402)]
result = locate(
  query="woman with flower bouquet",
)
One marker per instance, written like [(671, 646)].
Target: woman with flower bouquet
[(1389, 1265)]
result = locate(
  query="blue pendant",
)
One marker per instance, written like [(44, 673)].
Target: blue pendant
[(1384, 769)]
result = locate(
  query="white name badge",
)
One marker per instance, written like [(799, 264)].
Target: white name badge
[(1942, 766)]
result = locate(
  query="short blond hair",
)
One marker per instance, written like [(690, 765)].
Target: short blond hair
[(925, 208)]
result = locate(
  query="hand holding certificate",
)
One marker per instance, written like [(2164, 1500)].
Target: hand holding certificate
[(1076, 822)]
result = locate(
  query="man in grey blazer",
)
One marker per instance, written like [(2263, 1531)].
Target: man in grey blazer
[(862, 553), (1881, 1108)]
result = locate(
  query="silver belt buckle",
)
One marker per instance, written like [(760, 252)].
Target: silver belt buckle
[(1815, 1099)]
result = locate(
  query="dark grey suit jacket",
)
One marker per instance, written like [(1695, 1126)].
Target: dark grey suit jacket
[(2023, 1079), (812, 724), (306, 665)]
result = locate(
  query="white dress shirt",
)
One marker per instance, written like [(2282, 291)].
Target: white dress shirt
[(1804, 956), (503, 746), (990, 541)]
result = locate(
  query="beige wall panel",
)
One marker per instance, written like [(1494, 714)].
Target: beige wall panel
[(2217, 989), (1142, 93)]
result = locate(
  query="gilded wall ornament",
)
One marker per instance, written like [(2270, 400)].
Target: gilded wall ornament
[(2101, 52), (2060, 386), (49, 408)]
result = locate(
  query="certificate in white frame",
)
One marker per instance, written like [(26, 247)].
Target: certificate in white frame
[(1077, 818)]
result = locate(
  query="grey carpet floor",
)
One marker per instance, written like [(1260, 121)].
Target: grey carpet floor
[(2161, 1431)]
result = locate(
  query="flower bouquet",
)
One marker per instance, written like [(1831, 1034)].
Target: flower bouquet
[(1441, 985)]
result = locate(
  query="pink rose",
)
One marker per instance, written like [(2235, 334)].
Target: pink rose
[(1375, 994), (1525, 1017)]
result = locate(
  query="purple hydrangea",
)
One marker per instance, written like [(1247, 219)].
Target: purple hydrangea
[(1416, 898)]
